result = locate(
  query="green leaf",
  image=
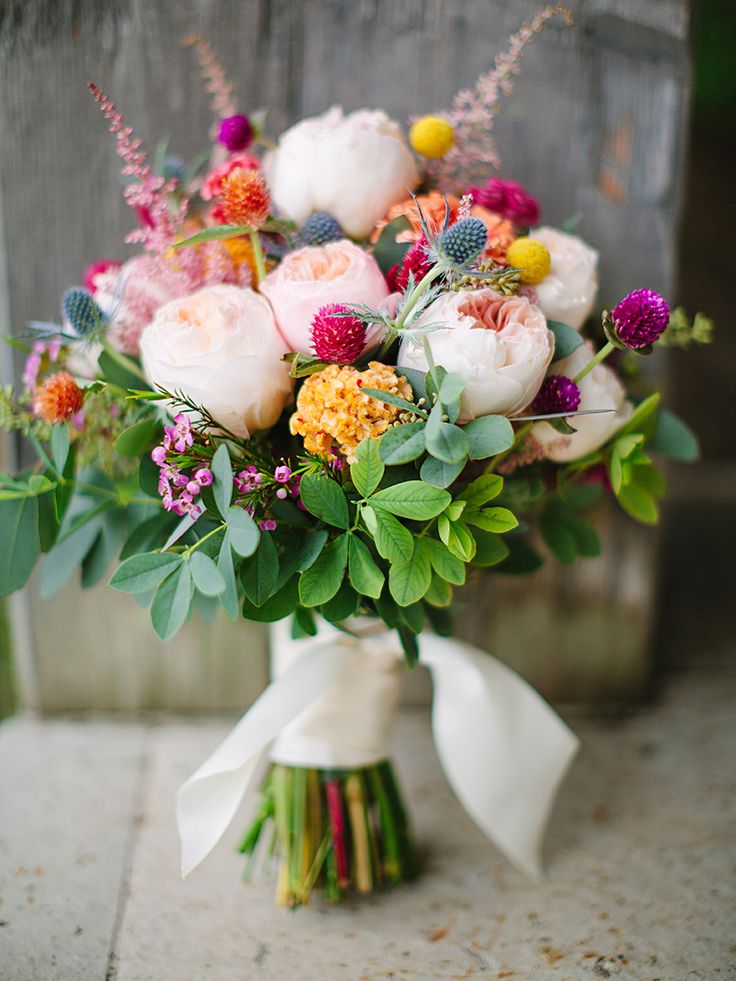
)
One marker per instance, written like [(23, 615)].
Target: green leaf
[(244, 533), (497, 520), (259, 573), (488, 436), (145, 535), (441, 621), (314, 542), (229, 597), (522, 560), (140, 573), (394, 542), (118, 374), (324, 497), (558, 537), (283, 602), (137, 438), (409, 645), (402, 444), (438, 473), (412, 616), (452, 388), (19, 542), (638, 503), (455, 509), (368, 469), (445, 441), (222, 486), (388, 251), (60, 445), (674, 439), (214, 234), (342, 605), (482, 490), (444, 563), (490, 549), (409, 581), (457, 538), (412, 499), (439, 592), (106, 547), (171, 603), (303, 624), (642, 419), (567, 339), (365, 576), (69, 552), (207, 577), (391, 399), (321, 581)]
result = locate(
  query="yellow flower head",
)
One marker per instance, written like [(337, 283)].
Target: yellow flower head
[(531, 258), (332, 413), (431, 136)]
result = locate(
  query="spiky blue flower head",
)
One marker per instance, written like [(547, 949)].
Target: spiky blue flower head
[(321, 228), (176, 167), (463, 241), (81, 311)]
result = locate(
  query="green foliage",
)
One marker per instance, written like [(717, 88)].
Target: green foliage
[(367, 471), (636, 482), (365, 576), (446, 441), (243, 531), (567, 339), (259, 573), (140, 573), (324, 497), (138, 438), (674, 439), (283, 602), (170, 606), (440, 474), (222, 486), (402, 444), (394, 542), (207, 577), (412, 499), (488, 436), (19, 542), (387, 251), (566, 534), (409, 581), (323, 578)]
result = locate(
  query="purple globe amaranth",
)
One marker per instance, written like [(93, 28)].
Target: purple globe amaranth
[(236, 132), (557, 394), (640, 318)]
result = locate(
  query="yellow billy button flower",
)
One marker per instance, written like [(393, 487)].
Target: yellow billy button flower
[(431, 136), (531, 258)]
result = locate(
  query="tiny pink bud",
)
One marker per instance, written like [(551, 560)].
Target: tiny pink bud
[(204, 477)]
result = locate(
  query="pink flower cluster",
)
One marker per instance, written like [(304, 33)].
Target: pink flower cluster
[(251, 481), (178, 490), (508, 199), (35, 358)]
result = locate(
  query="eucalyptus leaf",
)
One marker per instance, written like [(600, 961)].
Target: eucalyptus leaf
[(488, 436), (438, 473), (446, 441), (171, 603), (243, 531), (222, 471), (402, 444), (142, 572), (674, 439), (567, 339), (207, 577)]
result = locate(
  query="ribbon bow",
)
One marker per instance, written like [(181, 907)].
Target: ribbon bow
[(504, 751)]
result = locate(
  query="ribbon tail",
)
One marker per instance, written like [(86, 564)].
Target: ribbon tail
[(504, 751), (206, 803)]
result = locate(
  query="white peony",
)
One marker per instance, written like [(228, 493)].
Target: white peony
[(569, 290), (500, 345), (222, 348), (353, 166), (599, 389)]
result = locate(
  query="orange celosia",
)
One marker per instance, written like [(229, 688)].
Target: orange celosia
[(244, 198), (333, 414), (58, 398)]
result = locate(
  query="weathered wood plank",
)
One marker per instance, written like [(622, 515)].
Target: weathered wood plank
[(595, 127)]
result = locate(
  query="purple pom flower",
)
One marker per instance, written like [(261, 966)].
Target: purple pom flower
[(640, 318), (236, 132), (557, 394)]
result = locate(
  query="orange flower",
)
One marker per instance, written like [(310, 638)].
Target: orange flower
[(58, 398), (500, 233), (433, 208), (245, 199), (332, 412)]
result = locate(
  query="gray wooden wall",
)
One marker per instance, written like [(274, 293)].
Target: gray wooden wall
[(596, 126)]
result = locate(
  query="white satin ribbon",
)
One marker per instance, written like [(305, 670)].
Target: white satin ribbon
[(503, 749)]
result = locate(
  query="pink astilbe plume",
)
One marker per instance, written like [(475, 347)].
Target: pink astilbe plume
[(147, 193), (215, 81), (473, 111)]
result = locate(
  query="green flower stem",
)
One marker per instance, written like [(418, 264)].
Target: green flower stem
[(600, 356), (122, 360), (255, 239), (413, 297), (200, 541)]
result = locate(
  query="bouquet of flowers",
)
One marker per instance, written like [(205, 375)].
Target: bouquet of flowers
[(343, 373)]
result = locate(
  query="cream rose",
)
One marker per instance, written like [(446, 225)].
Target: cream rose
[(500, 345), (221, 347), (309, 278), (599, 389), (353, 166), (568, 292)]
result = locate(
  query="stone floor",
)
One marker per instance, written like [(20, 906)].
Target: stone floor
[(640, 854)]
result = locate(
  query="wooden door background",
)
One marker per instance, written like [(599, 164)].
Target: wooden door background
[(595, 127)]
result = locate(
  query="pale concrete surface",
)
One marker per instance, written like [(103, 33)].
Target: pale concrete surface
[(640, 854)]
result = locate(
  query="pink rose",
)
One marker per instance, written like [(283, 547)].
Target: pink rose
[(213, 181), (500, 345), (312, 277)]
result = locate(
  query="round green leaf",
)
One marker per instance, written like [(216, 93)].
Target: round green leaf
[(402, 444), (207, 577)]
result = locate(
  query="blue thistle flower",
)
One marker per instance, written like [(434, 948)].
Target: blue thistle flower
[(463, 241), (81, 311), (321, 228)]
